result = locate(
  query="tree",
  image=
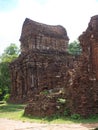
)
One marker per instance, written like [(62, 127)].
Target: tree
[(4, 79), (10, 53), (74, 48)]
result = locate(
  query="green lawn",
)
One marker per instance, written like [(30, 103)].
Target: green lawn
[(15, 111)]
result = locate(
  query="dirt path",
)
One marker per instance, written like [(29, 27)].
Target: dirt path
[(6, 124)]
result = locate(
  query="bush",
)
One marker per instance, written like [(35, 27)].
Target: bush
[(67, 112), (6, 97), (75, 116)]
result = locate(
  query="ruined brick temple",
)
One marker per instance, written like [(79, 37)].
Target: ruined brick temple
[(44, 72), (42, 62), (83, 90)]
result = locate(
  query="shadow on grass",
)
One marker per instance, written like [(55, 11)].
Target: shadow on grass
[(11, 107)]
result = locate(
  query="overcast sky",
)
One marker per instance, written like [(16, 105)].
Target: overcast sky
[(74, 15)]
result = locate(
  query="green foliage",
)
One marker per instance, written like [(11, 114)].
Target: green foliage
[(0, 91), (61, 100), (4, 79), (6, 97), (76, 116), (10, 53), (93, 116), (66, 112), (74, 48), (45, 92)]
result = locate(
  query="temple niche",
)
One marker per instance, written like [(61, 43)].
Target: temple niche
[(42, 63)]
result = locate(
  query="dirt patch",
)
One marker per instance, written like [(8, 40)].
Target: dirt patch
[(6, 124)]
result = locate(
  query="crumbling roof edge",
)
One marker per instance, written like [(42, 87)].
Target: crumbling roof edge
[(49, 30)]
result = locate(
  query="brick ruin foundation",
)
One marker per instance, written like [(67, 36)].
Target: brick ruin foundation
[(51, 80)]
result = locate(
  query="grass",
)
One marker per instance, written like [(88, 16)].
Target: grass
[(16, 111)]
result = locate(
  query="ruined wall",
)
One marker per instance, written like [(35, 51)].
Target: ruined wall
[(42, 63), (83, 90), (37, 71)]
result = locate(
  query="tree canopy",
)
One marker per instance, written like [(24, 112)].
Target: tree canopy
[(10, 53), (74, 48)]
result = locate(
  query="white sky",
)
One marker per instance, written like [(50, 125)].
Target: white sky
[(74, 15)]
